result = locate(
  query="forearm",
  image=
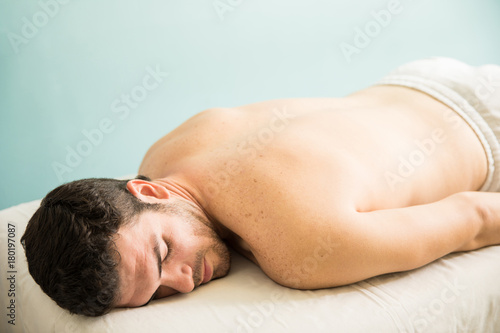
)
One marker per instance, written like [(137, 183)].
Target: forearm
[(417, 235), (392, 240)]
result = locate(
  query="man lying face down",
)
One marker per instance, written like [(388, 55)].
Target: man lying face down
[(390, 178)]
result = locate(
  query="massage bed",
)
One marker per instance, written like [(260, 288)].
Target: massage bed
[(458, 293)]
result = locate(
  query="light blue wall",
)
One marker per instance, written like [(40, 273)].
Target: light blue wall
[(68, 75)]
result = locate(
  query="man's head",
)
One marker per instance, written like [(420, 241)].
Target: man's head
[(81, 246), (168, 251)]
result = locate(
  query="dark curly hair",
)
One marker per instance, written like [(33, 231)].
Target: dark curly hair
[(69, 242)]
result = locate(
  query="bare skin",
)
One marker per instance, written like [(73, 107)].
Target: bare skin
[(317, 192)]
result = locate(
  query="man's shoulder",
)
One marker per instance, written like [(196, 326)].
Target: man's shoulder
[(217, 115)]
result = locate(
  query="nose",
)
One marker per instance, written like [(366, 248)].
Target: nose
[(178, 277)]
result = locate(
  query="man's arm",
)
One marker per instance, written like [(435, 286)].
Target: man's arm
[(392, 240)]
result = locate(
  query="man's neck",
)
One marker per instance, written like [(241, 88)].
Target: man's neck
[(181, 190)]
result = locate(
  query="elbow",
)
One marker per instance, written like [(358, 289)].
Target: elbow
[(477, 220), (311, 277)]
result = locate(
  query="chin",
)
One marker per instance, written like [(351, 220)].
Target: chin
[(223, 266)]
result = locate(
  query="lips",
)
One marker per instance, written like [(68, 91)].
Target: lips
[(207, 272)]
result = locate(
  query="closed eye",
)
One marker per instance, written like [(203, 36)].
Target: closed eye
[(169, 250), (158, 255), (156, 250)]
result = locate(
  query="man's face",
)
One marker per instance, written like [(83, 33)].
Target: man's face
[(163, 253)]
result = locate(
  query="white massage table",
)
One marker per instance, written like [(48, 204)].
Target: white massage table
[(459, 293)]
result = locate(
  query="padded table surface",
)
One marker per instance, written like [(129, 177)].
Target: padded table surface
[(458, 293)]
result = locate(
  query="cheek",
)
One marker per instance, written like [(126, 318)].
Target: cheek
[(189, 242)]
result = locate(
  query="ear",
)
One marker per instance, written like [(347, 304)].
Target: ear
[(146, 191)]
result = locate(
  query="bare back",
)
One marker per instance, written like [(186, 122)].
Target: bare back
[(281, 167), (384, 147)]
